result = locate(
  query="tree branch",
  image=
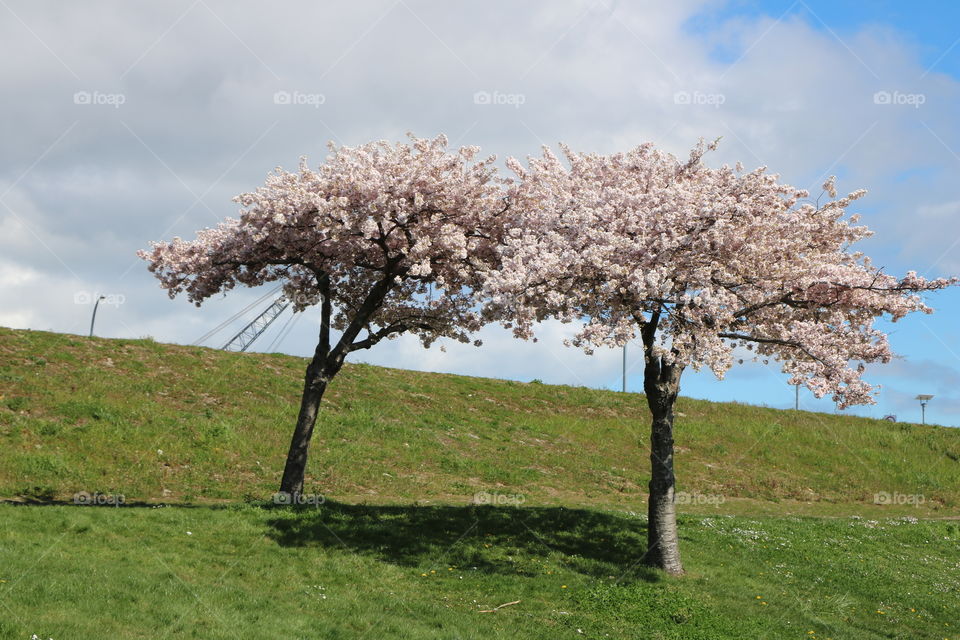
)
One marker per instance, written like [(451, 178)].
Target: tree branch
[(776, 341)]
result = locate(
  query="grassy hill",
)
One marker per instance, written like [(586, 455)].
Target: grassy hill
[(160, 422), (194, 439)]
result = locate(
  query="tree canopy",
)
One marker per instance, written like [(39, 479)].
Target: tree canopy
[(395, 235), (721, 263)]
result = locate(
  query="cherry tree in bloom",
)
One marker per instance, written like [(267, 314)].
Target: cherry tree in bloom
[(386, 238), (702, 264)]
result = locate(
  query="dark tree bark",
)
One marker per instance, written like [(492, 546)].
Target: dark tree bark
[(315, 383), (317, 379), (661, 383), (326, 364)]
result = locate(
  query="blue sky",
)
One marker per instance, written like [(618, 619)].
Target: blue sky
[(929, 25), (147, 133), (932, 29)]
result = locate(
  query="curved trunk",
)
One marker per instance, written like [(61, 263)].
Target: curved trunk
[(326, 363), (315, 383), (319, 373)]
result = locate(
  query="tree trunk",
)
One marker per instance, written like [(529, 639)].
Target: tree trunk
[(315, 383), (663, 550), (325, 365), (319, 373), (662, 384)]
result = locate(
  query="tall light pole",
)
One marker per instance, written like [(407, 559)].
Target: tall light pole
[(924, 399), (93, 318)]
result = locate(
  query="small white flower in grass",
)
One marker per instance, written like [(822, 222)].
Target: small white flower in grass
[(159, 452), (189, 533)]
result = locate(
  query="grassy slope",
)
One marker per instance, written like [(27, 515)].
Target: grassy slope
[(352, 571), (95, 415)]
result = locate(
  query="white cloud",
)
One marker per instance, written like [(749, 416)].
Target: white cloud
[(199, 124)]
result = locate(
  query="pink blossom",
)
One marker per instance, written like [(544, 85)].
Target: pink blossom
[(715, 258), (417, 216)]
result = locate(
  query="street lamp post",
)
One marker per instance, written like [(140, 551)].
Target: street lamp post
[(93, 318), (924, 399)]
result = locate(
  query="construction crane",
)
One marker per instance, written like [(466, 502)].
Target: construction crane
[(243, 340), (257, 326)]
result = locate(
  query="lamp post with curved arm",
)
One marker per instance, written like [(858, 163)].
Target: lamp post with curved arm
[(93, 318)]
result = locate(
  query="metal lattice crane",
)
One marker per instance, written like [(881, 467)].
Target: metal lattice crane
[(252, 331)]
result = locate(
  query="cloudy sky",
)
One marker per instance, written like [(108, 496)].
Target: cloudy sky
[(130, 122)]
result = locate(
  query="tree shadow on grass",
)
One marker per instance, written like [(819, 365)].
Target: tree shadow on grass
[(499, 540)]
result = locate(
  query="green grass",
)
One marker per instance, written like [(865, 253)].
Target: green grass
[(169, 423), (781, 536), (350, 571)]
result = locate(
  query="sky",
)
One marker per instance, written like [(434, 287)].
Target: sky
[(125, 123)]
